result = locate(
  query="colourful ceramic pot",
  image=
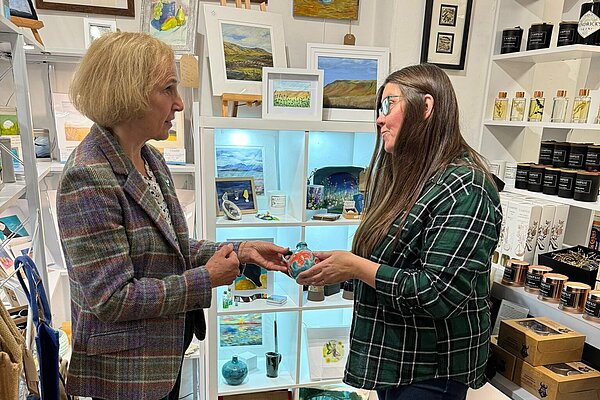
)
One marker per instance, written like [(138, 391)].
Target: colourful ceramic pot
[(234, 371), (300, 260)]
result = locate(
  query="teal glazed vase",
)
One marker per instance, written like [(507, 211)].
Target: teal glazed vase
[(300, 260), (234, 371)]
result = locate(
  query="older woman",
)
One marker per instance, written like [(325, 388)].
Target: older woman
[(138, 282)]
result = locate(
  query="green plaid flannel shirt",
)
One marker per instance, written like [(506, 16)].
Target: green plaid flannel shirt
[(429, 315)]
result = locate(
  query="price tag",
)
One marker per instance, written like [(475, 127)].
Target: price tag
[(188, 65)]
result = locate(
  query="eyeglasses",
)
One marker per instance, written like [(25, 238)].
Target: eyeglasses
[(385, 107)]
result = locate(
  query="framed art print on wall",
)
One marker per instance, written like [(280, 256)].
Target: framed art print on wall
[(240, 43), (172, 21), (93, 28), (122, 8), (446, 32), (351, 77), (241, 191), (292, 93)]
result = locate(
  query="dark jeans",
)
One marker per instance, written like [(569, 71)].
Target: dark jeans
[(189, 333), (431, 389)]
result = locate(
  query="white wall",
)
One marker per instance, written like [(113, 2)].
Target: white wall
[(397, 24)]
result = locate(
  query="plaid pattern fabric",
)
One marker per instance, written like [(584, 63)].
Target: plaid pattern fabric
[(429, 315), (131, 281)]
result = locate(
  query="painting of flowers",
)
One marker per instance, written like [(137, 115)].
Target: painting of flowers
[(240, 330)]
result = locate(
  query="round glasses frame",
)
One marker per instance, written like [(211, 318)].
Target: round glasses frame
[(385, 108)]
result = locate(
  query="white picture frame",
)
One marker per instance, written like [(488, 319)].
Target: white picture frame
[(340, 63), (93, 28), (246, 29), (71, 125), (301, 88)]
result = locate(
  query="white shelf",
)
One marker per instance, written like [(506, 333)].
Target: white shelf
[(573, 52), (337, 222), (7, 26), (259, 306), (581, 204), (542, 125), (333, 301), (267, 124), (511, 389), (55, 166), (250, 220), (11, 192), (256, 381), (545, 309)]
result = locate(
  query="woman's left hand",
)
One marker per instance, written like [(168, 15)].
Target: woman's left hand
[(265, 254), (335, 266)]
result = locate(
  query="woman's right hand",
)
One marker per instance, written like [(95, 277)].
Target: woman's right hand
[(223, 267)]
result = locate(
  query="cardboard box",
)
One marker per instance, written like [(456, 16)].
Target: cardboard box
[(540, 341), (562, 381), (503, 360), (574, 273)]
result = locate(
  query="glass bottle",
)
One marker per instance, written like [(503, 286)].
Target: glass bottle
[(536, 106), (517, 110), (225, 300), (500, 107), (581, 106), (559, 108)]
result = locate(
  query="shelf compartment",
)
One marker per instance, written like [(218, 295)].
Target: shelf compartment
[(331, 302), (257, 380), (563, 53), (541, 308), (580, 204), (250, 220), (542, 125)]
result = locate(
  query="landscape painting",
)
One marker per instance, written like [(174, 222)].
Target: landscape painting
[(349, 83), (295, 94), (240, 330), (238, 161), (247, 49), (334, 9)]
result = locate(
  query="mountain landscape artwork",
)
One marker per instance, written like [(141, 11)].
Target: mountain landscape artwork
[(237, 161), (349, 83), (247, 50)]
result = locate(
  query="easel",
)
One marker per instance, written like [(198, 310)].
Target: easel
[(249, 99), (33, 24)]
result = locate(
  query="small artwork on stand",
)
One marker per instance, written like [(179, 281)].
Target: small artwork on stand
[(241, 161), (240, 191), (292, 93), (173, 22), (240, 330), (338, 9)]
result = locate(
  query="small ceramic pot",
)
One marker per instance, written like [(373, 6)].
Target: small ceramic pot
[(300, 260), (234, 371)]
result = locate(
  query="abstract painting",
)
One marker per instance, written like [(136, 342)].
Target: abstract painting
[(172, 21), (238, 161), (334, 9), (240, 330), (247, 50)]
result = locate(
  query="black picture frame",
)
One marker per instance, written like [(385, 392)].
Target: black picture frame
[(23, 9), (446, 33)]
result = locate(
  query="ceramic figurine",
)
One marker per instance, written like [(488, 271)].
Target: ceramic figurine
[(234, 371), (300, 260)]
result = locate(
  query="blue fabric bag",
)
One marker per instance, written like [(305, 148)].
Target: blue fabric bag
[(46, 338)]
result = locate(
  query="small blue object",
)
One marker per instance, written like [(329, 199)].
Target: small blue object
[(234, 371)]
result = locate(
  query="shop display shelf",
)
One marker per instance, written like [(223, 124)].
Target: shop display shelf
[(543, 125), (595, 206), (511, 389), (563, 53), (333, 301)]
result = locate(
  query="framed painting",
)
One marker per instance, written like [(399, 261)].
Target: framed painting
[(352, 75), (12, 227), (292, 94), (121, 8), (240, 43), (176, 135), (242, 161), (173, 22), (338, 9), (446, 32), (241, 330), (23, 9), (71, 125), (254, 282), (241, 191), (94, 28)]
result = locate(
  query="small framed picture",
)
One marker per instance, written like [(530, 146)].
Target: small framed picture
[(240, 191), (292, 93), (95, 27)]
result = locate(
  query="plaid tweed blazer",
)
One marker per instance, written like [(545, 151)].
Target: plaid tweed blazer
[(131, 280)]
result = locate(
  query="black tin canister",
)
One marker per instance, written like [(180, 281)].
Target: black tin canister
[(511, 40), (522, 179), (592, 157), (566, 183), (546, 152), (535, 178), (577, 155), (586, 186), (567, 33), (539, 36), (560, 156), (551, 177), (588, 23)]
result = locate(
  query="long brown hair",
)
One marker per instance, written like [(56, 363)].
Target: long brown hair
[(423, 148)]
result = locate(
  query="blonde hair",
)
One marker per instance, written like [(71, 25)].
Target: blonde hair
[(113, 81)]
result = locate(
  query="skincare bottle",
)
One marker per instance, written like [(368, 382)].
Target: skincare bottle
[(517, 110), (500, 107), (225, 300), (559, 108), (536, 106), (581, 106)]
